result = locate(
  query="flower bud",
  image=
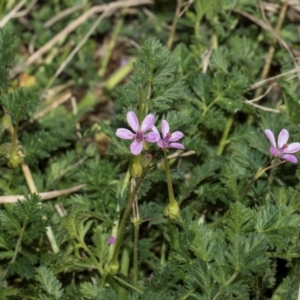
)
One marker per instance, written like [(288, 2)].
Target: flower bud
[(111, 240), (112, 268), (14, 161), (172, 210), (136, 168), (6, 121)]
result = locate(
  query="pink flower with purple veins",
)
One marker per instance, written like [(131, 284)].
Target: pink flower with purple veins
[(282, 149), (168, 138), (139, 134)]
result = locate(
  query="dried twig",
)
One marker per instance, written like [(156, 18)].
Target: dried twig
[(268, 28), (62, 98), (79, 45), (71, 27), (251, 102), (11, 14), (181, 154), (263, 108), (261, 96), (63, 14), (24, 12), (185, 7), (262, 82), (44, 196)]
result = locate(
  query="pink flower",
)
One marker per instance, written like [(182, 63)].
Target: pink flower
[(168, 138), (140, 132), (282, 149), (111, 240)]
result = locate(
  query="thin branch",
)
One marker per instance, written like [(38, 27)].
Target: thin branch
[(261, 96), (63, 14), (44, 196), (181, 154), (62, 98), (72, 26), (268, 28), (263, 108), (106, 13), (11, 14), (24, 12), (262, 82)]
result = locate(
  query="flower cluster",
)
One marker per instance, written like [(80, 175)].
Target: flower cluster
[(282, 149), (149, 133)]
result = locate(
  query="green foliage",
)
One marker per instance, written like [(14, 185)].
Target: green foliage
[(6, 57), (239, 221), (23, 225), (288, 290), (50, 287), (41, 144), (20, 104), (236, 235), (155, 81), (89, 291)]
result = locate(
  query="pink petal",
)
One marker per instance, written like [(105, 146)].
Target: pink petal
[(165, 128), (125, 134), (177, 135), (292, 148), (282, 138), (289, 157), (133, 121), (274, 151), (160, 144), (270, 136), (176, 145), (152, 137), (155, 130), (136, 147), (148, 122)]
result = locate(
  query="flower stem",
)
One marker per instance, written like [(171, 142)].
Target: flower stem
[(136, 222), (231, 279), (14, 140), (123, 282), (17, 249), (188, 293), (135, 253), (173, 209), (256, 176), (172, 200), (91, 255), (225, 135), (172, 243), (121, 230)]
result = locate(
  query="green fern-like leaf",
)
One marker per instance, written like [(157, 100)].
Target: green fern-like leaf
[(204, 242), (288, 290), (239, 221), (279, 223), (20, 103), (247, 252), (6, 56), (48, 283), (92, 292), (40, 144)]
